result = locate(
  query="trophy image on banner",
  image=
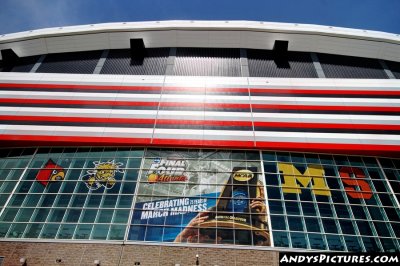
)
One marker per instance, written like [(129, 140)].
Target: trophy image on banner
[(240, 206)]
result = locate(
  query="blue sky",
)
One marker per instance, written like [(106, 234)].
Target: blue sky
[(21, 15)]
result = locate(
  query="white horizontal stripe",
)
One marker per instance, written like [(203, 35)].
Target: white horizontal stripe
[(327, 137), (79, 96), (199, 115)]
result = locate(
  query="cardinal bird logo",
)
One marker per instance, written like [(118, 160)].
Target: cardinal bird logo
[(50, 172)]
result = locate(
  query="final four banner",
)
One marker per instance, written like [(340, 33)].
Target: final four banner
[(200, 197)]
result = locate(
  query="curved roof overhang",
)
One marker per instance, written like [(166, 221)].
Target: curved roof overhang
[(215, 34)]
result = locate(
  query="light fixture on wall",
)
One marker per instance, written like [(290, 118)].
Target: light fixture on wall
[(197, 259), (22, 261), (96, 262)]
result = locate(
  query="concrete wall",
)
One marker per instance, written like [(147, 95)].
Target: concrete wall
[(114, 254)]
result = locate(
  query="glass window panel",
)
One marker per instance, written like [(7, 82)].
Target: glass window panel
[(392, 214), (105, 216), (89, 216), (33, 230), (121, 216), (16, 230), (154, 233), (364, 228), (78, 200), (347, 227), (292, 208), (73, 215), (275, 207), (117, 232), (100, 231), (391, 174), (134, 163), (388, 244), (83, 231), (352, 244), (57, 215), (224, 236), (342, 211), (306, 195), (24, 215), (4, 229), (125, 201), (370, 244), (278, 222), (298, 158), (40, 215), (63, 201), (137, 233), (17, 199), (110, 201), (329, 226), (48, 200), (68, 187), (325, 210), (270, 167), (66, 231), (136, 153), (341, 160), (312, 224), (273, 193), (298, 240), (268, 156), (308, 209), (128, 188), (358, 212), (386, 163), (243, 237), (272, 179), (396, 229), (32, 200), (94, 200), (386, 200), (316, 241), (382, 228), (281, 239), (333, 183), (355, 161), (9, 214), (290, 196), (252, 155), (370, 162), (334, 242), (283, 156), (375, 213), (50, 230), (131, 175), (295, 223), (380, 186)]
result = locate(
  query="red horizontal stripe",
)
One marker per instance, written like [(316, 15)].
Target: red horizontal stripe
[(325, 92), (326, 108), (209, 105), (77, 102), (326, 125), (199, 122), (354, 149), (123, 120), (77, 87), (201, 89)]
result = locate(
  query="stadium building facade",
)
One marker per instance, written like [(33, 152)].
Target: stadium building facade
[(150, 143)]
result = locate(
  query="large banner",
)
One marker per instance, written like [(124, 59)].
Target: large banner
[(200, 197)]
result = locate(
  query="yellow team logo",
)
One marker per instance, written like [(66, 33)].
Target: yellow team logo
[(313, 177), (243, 175), (103, 175)]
